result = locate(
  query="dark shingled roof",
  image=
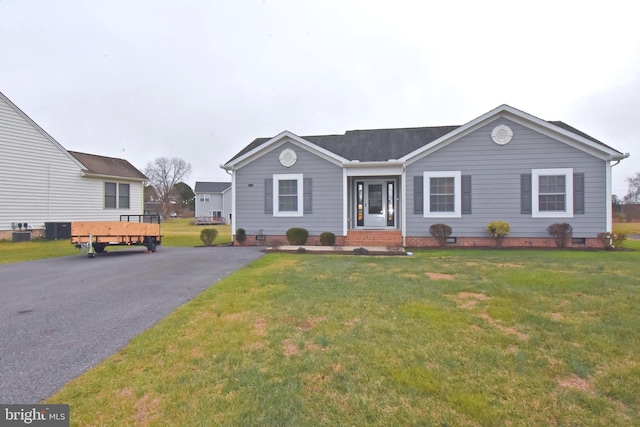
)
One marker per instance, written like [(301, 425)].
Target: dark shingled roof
[(211, 187), (386, 144), (110, 166), (370, 145)]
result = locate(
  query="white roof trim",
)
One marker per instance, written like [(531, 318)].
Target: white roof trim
[(524, 119), (22, 114), (278, 140)]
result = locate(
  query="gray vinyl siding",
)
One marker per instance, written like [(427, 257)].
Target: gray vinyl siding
[(327, 195), (495, 178), (39, 182), (215, 203)]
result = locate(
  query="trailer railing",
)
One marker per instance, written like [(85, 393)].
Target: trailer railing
[(146, 218)]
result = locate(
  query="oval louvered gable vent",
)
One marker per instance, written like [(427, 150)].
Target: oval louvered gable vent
[(501, 134), (288, 157)]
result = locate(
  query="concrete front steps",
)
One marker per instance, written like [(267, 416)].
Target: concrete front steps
[(377, 238)]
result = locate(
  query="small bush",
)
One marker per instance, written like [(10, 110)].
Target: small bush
[(241, 235), (301, 250), (612, 240), (605, 239), (327, 239), (208, 235), (361, 251), (561, 233), (276, 244), (618, 239), (297, 236), (498, 230), (441, 232)]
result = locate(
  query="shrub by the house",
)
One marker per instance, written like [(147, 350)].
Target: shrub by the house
[(612, 240), (208, 235), (297, 236), (498, 230), (441, 232), (327, 239), (241, 235), (561, 233)]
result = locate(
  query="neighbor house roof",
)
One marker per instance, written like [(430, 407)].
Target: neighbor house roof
[(380, 145), (108, 166), (211, 187)]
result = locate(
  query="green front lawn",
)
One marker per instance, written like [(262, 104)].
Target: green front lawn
[(444, 337), (176, 232)]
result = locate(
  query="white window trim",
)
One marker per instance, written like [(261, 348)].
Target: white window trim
[(276, 194), (104, 195), (535, 192), (457, 201)]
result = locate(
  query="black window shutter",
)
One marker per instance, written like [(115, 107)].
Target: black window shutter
[(578, 193), (525, 193), (418, 194), (268, 196), (307, 205), (466, 194)]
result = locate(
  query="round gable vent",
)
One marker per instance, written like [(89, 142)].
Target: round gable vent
[(501, 134), (288, 157)]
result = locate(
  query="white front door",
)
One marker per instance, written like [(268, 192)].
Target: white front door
[(374, 204)]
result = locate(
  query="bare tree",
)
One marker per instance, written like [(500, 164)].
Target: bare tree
[(633, 194), (164, 174)]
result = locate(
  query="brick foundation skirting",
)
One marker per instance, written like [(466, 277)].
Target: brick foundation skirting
[(426, 242), (508, 242)]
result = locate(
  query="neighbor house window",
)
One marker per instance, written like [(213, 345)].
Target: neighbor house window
[(288, 195), (204, 198), (442, 194), (110, 195), (552, 193), (123, 196), (116, 195)]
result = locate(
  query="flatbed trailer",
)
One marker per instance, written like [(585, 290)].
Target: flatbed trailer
[(131, 230)]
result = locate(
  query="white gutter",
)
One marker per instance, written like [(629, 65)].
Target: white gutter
[(233, 202), (609, 208)]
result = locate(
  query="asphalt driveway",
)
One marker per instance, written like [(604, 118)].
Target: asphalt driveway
[(61, 316)]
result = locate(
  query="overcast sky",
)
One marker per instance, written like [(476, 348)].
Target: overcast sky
[(199, 80)]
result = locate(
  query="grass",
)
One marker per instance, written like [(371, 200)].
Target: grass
[(176, 233), (181, 232), (445, 337)]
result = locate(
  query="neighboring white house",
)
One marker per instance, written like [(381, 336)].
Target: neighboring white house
[(213, 200), (40, 181)]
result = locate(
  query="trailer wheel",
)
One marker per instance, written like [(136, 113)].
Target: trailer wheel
[(151, 244)]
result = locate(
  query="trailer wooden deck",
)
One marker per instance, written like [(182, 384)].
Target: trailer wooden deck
[(143, 230)]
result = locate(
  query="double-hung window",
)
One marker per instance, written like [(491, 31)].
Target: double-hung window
[(117, 195), (552, 193), (110, 195), (123, 196), (288, 195), (442, 194)]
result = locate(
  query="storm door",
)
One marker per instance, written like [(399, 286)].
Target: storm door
[(375, 203)]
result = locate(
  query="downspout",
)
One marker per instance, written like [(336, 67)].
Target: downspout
[(233, 204), (403, 192), (609, 209)]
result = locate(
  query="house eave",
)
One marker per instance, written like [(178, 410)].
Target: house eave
[(390, 167), (275, 142), (114, 177), (505, 111)]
